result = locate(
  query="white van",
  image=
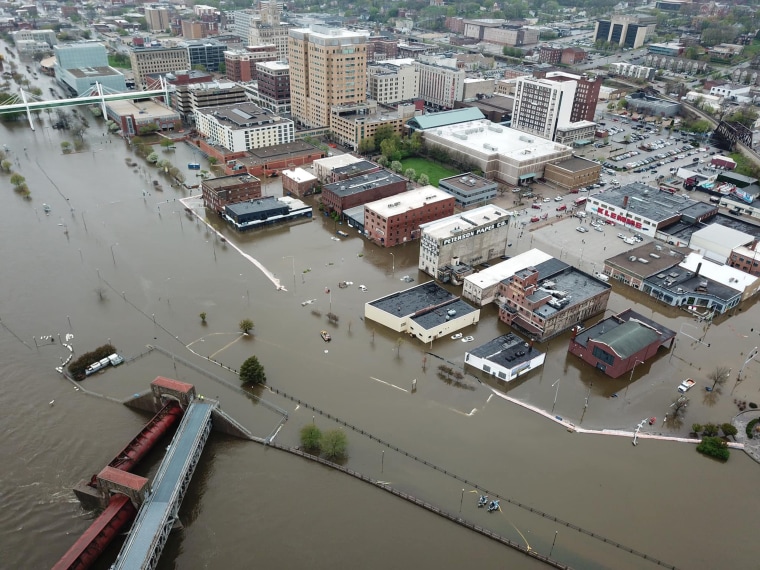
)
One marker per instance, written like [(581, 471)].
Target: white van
[(601, 277)]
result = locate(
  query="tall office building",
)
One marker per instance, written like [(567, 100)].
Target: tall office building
[(328, 67), (441, 82), (269, 30), (625, 31), (157, 18), (157, 60), (542, 105), (586, 92)]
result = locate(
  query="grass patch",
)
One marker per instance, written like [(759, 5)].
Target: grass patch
[(434, 170), (744, 165)]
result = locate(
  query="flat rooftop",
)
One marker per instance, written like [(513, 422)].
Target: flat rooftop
[(100, 71), (464, 221), (333, 162), (241, 115), (467, 183), (428, 302), (259, 156), (505, 269), (576, 164), (355, 168), (299, 175), (262, 204), (579, 286), (274, 65), (223, 181), (648, 202), (144, 110), (725, 236), (409, 200), (508, 351), (684, 231), (364, 182), (667, 257), (503, 141)]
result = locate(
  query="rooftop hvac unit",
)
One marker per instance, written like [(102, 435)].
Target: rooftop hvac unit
[(632, 258), (642, 260), (525, 139), (654, 255)]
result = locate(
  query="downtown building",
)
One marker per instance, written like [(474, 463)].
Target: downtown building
[(158, 18), (393, 81), (328, 67), (242, 127), (557, 106), (397, 220), (625, 31), (441, 81), (450, 247), (157, 60), (240, 65)]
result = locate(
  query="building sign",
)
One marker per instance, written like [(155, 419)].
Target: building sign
[(619, 217), (477, 232)]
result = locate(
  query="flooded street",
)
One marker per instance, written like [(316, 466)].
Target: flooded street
[(116, 259)]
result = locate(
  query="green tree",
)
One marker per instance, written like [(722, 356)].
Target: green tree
[(66, 147), (366, 145), (390, 149), (696, 428), (152, 158), (246, 325), (6, 165), (17, 180), (729, 430), (166, 143), (710, 430), (311, 438), (202, 315), (382, 161), (396, 166), (423, 179), (410, 173), (222, 67), (382, 133), (334, 444), (252, 372)]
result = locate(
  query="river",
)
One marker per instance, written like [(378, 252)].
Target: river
[(108, 262)]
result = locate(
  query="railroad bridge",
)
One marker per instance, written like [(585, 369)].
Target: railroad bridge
[(154, 506)]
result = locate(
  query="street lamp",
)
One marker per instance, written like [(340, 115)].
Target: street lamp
[(112, 254), (556, 393), (750, 356), (393, 263), (631, 378)]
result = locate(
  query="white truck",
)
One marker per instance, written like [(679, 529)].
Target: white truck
[(686, 385)]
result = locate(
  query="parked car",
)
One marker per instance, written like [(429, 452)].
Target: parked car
[(562, 208), (534, 219), (535, 206), (581, 229), (621, 236), (558, 199)]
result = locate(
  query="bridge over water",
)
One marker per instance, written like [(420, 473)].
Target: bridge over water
[(95, 95), (160, 510)]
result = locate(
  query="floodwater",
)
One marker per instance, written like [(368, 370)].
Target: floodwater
[(109, 262)]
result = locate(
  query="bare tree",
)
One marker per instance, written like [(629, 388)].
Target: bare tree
[(719, 376)]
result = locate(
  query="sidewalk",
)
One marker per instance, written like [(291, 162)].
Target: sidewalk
[(740, 421)]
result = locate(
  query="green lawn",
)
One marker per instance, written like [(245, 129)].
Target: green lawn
[(434, 171)]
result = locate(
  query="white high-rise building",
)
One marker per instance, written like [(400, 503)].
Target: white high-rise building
[(542, 106), (440, 85)]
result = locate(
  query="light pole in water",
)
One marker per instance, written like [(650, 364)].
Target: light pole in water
[(393, 263), (112, 254), (556, 393), (625, 396)]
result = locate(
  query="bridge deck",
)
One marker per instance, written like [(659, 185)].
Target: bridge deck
[(156, 516)]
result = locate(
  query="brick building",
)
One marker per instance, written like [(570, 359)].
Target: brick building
[(240, 65), (396, 220), (617, 344), (368, 187), (220, 192), (550, 298), (299, 182), (573, 172)]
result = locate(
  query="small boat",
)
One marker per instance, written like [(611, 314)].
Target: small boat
[(652, 420), (325, 336), (46, 208), (456, 336)]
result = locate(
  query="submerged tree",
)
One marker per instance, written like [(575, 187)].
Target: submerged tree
[(252, 372)]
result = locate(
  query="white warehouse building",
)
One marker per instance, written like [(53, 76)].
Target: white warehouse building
[(501, 153)]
